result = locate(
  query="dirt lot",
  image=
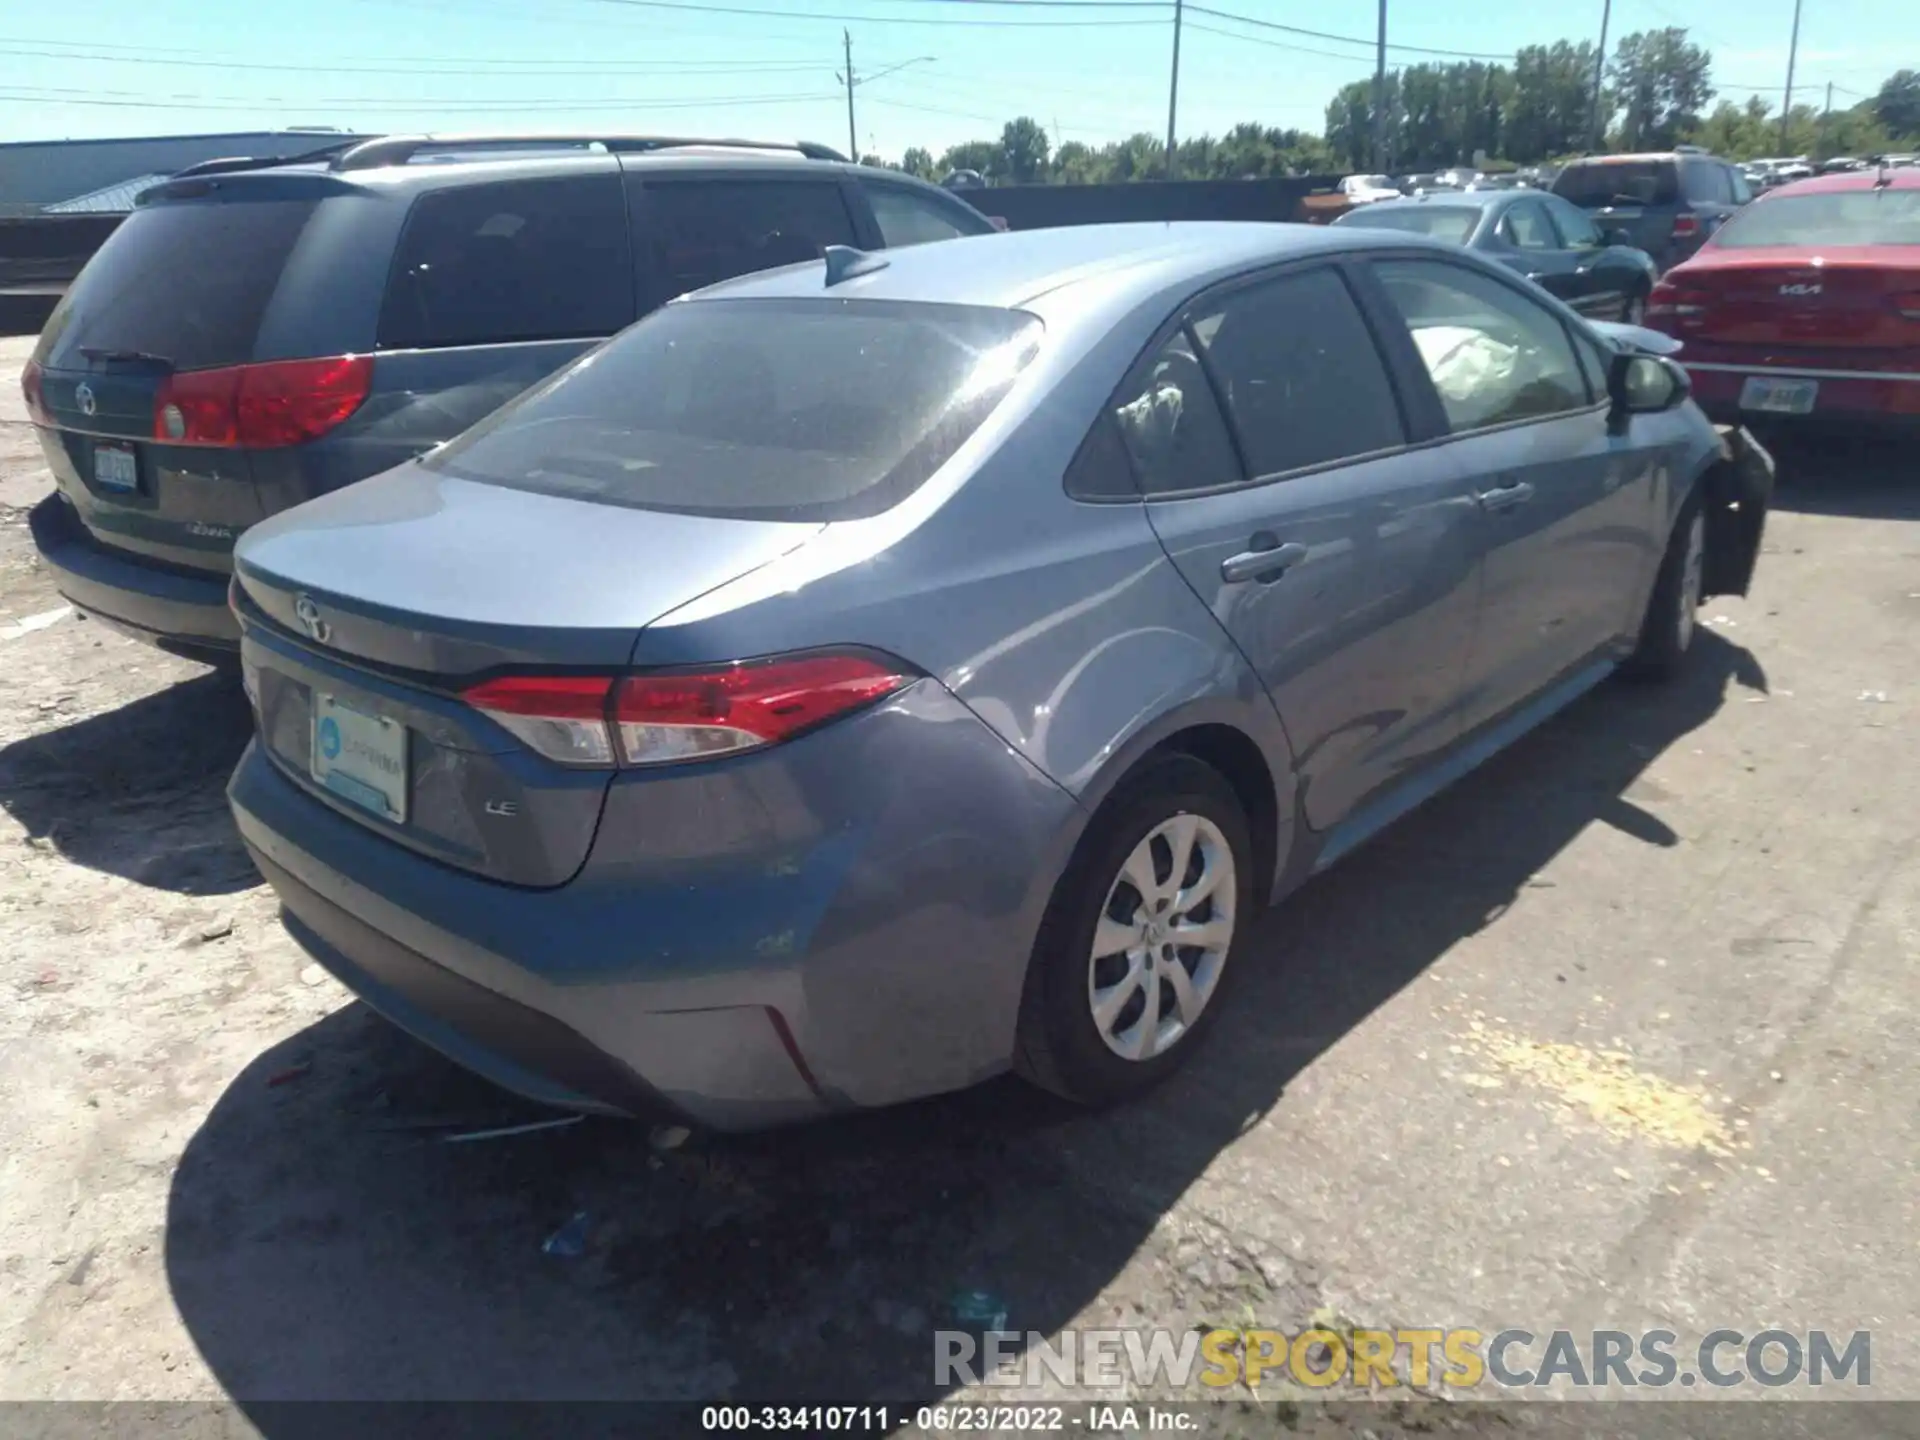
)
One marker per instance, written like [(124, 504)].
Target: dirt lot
[(1618, 1032)]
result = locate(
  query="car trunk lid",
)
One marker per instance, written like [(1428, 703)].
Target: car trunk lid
[(370, 610), (1857, 300)]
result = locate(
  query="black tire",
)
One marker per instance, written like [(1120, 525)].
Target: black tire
[(1667, 630), (1060, 1047)]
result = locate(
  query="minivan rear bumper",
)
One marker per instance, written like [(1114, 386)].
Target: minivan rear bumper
[(186, 614)]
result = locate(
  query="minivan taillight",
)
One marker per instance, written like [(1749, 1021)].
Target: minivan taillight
[(32, 385), (662, 717), (277, 402), (1685, 227)]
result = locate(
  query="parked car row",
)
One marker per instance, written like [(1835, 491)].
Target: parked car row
[(893, 666)]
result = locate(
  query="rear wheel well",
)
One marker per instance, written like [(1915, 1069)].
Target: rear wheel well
[(1242, 766)]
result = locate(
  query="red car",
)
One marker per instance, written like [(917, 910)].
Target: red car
[(1805, 304)]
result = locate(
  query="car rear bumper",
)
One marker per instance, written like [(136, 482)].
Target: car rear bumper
[(1889, 399), (186, 614), (893, 927)]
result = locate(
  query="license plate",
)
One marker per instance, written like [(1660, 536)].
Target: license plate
[(1778, 397), (115, 468), (360, 757)]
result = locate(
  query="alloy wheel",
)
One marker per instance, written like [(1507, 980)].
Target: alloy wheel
[(1162, 937), (1692, 572)]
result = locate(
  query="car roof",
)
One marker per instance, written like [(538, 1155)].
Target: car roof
[(1010, 270), (1641, 157), (1896, 179)]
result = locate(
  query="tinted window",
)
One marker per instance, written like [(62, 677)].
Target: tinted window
[(1526, 226), (908, 218), (706, 231), (1101, 469), (1706, 183), (1619, 182), (1840, 217), (523, 260), (187, 281), (1171, 424), (811, 409), (1301, 375), (1453, 223), (1494, 355), (1576, 230)]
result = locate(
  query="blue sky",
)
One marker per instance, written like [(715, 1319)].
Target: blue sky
[(129, 67)]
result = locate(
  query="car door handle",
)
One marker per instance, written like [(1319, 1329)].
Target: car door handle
[(1505, 497), (1267, 560)]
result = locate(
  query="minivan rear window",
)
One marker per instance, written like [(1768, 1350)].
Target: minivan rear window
[(801, 409), (188, 282), (1619, 182)]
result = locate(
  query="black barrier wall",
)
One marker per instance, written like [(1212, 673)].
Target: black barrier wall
[(1037, 207)]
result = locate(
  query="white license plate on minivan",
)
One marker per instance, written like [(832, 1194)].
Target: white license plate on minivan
[(115, 468), (1772, 396), (360, 757)]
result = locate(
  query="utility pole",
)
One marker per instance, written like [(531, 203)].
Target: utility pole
[(1380, 94), (1596, 132), (1793, 54), (1173, 89), (853, 144)]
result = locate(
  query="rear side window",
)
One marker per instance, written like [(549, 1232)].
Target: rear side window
[(906, 217), (1526, 226), (1706, 183), (188, 282), (1619, 182), (522, 260), (1303, 379), (1171, 424), (706, 231), (1737, 182), (803, 410)]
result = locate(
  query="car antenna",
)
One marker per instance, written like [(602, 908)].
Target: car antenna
[(846, 263)]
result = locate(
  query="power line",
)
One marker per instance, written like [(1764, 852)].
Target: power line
[(550, 68), (1344, 39), (1274, 44), (841, 18), (46, 94)]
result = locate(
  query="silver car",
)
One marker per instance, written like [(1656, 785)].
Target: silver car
[(867, 677)]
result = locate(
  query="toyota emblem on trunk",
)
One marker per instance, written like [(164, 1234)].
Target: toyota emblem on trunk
[(308, 614), (83, 397)]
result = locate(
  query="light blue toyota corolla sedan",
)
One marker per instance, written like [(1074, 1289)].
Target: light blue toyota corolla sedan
[(860, 679)]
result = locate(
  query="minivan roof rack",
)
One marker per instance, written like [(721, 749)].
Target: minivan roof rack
[(399, 149)]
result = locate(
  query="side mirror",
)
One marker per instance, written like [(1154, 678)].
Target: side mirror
[(1645, 384)]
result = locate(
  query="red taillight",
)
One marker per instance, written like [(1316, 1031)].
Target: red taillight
[(31, 386), (279, 402), (661, 717), (1685, 227), (1670, 300)]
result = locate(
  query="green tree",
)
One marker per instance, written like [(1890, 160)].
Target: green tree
[(1024, 148), (1660, 84), (1551, 103), (917, 162), (1350, 124), (1897, 106), (1077, 164), (1139, 157), (986, 156)]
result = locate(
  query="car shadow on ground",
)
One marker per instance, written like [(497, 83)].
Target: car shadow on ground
[(140, 791), (1870, 477), (316, 1247)]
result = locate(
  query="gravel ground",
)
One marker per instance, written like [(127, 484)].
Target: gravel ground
[(1616, 1033)]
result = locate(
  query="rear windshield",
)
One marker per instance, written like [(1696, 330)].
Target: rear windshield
[(1619, 182), (757, 409), (1847, 217), (1443, 222), (186, 282)]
